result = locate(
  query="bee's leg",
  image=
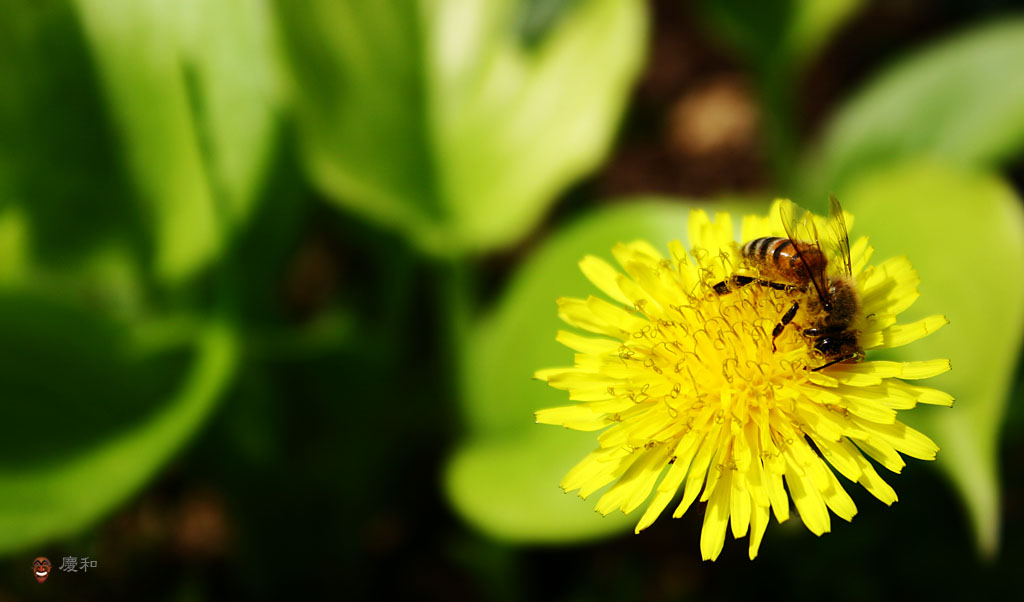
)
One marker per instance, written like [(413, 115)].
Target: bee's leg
[(836, 361), (842, 345), (736, 281), (786, 319)]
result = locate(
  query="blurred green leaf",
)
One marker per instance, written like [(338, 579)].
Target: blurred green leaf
[(58, 158), (505, 479), (776, 36), (93, 410), (14, 244), (508, 488), (958, 100), (778, 39), (451, 120), (813, 21), (964, 233), (189, 88)]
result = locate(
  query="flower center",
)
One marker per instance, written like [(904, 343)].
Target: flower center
[(716, 352)]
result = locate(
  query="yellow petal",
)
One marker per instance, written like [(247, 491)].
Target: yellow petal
[(808, 499), (698, 227), (587, 344), (881, 452), (902, 334), (869, 477), (837, 499), (922, 394), (718, 463), (638, 431), (578, 417), (577, 313), (755, 472), (636, 483), (755, 226), (860, 253), (758, 524), (604, 277), (547, 373), (839, 457), (626, 321), (669, 485), (871, 373), (823, 421), (660, 285), (576, 379), (889, 287), (739, 505), (903, 439), (927, 369), (716, 519), (822, 379), (596, 470), (865, 403), (638, 251), (639, 298), (778, 497), (698, 472)]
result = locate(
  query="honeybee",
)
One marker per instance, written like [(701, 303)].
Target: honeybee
[(797, 263)]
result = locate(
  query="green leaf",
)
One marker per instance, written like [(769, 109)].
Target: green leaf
[(777, 39), (439, 118), (189, 88), (964, 233), (93, 410), (812, 21), (58, 159), (957, 100), (777, 35), (504, 480), (508, 488)]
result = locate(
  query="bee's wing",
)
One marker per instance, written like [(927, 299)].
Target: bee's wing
[(839, 237), (800, 228)]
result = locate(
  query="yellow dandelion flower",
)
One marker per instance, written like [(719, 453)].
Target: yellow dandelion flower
[(695, 393)]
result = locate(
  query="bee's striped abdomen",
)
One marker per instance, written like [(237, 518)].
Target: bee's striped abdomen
[(780, 257)]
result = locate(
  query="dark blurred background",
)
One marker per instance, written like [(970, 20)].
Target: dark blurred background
[(252, 387)]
